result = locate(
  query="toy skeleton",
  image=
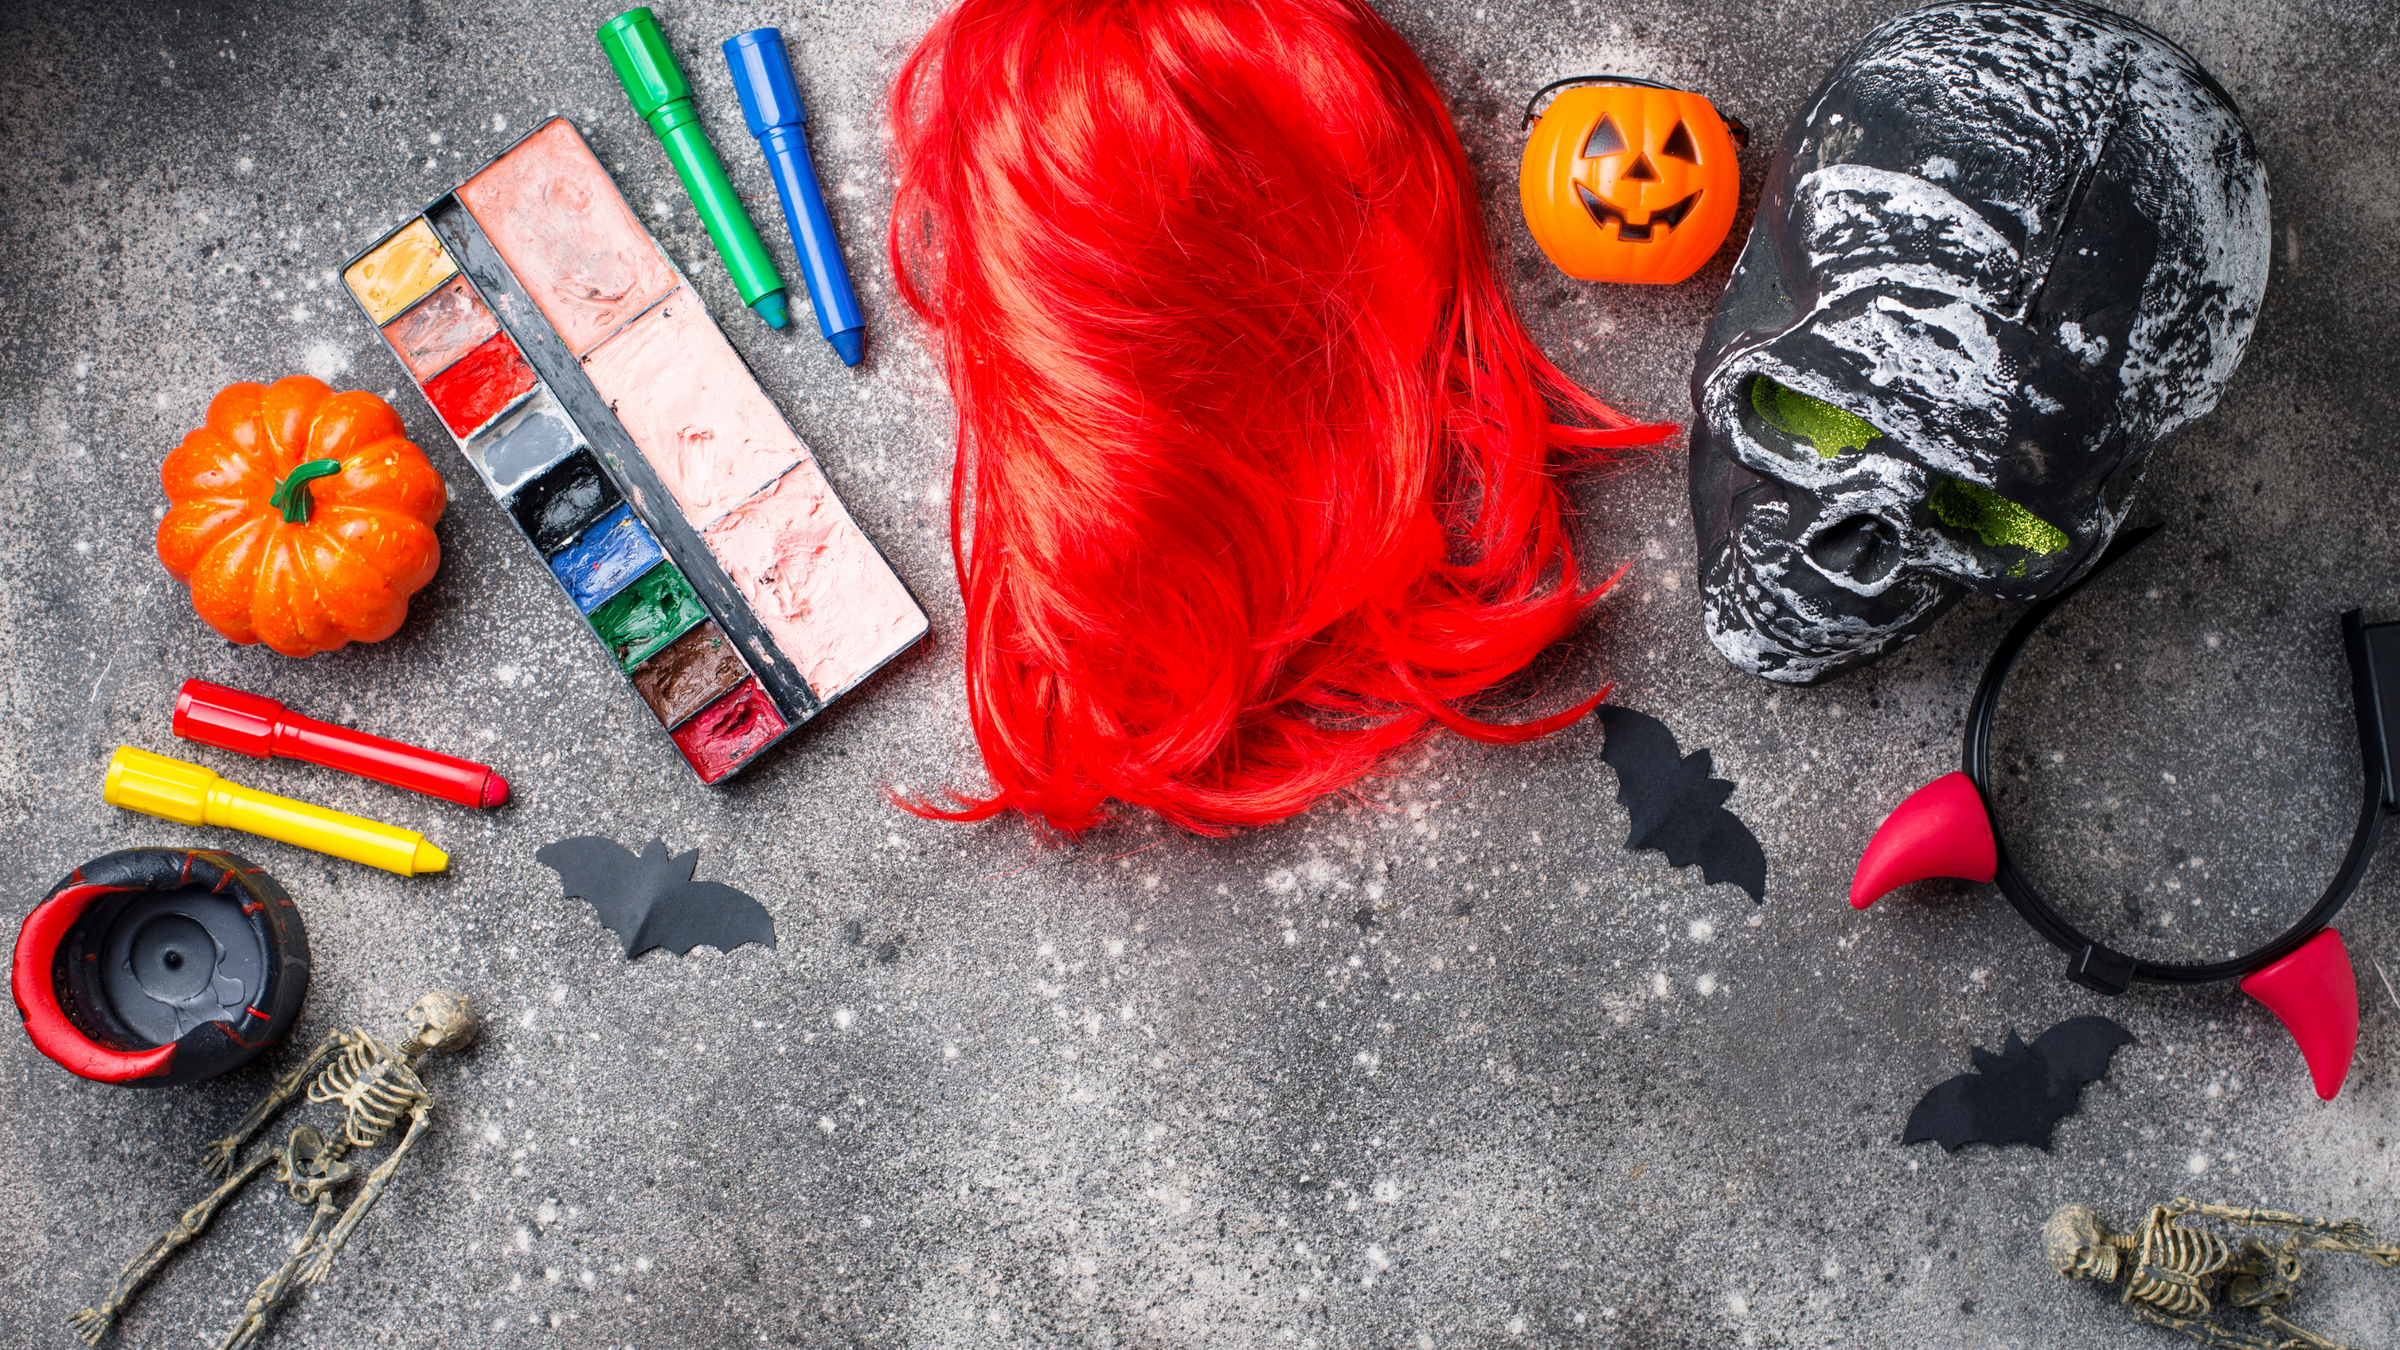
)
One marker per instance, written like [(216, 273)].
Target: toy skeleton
[(2171, 1271), (377, 1087)]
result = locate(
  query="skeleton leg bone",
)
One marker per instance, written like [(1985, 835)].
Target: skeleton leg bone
[(272, 1291), (2298, 1336), (2210, 1334), (322, 1260), (92, 1323)]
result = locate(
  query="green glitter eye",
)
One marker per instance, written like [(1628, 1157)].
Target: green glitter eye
[(1965, 506), (1830, 429)]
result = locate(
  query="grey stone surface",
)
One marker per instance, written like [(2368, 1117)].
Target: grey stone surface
[(1443, 1066)]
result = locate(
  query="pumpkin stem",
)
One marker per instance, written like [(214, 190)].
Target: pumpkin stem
[(292, 496)]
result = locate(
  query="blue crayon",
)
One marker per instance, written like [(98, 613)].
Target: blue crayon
[(763, 78)]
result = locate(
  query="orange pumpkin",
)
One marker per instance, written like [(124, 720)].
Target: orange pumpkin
[(1625, 181), (301, 518)]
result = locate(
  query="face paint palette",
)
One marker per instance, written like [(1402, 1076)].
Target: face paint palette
[(596, 398)]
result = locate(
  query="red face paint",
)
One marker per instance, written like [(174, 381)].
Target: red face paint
[(478, 385), (726, 732)]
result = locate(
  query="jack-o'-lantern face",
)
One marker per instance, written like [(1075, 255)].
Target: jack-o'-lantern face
[(1626, 183)]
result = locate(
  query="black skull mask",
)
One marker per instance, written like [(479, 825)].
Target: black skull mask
[(2003, 250)]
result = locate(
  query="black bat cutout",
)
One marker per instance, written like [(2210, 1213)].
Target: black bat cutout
[(650, 900), (1676, 807), (2019, 1095)]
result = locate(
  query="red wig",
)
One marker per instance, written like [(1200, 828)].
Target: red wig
[(1256, 466)]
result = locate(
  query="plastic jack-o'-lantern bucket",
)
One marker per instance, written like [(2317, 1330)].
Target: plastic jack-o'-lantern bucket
[(1626, 180)]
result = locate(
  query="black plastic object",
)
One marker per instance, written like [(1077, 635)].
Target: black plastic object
[(650, 900), (165, 966), (1677, 808), (2019, 1095), (1733, 125), (2374, 652), (2007, 246)]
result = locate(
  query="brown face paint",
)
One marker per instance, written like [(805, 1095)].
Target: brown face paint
[(689, 672)]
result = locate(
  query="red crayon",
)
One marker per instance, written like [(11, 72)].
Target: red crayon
[(250, 725)]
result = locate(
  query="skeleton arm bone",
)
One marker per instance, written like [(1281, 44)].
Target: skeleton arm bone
[(2335, 1235), (2350, 1229), (2381, 1253), (321, 1261), (218, 1159)]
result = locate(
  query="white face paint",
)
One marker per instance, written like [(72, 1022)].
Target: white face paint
[(2007, 249)]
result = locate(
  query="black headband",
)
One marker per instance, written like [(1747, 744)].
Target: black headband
[(2374, 652)]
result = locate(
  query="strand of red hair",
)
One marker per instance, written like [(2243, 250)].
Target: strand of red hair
[(1258, 473)]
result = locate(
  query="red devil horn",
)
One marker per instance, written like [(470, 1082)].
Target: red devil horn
[(2315, 994), (1942, 830)]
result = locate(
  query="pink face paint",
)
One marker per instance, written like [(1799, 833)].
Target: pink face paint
[(597, 399), (439, 329), (561, 225), (818, 587), (694, 409)]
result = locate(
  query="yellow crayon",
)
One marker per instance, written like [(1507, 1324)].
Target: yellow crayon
[(190, 795)]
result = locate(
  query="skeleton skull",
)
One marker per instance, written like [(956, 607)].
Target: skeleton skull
[(439, 1022), (2076, 1244), (2004, 250)]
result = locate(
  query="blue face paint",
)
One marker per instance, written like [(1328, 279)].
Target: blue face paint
[(615, 550)]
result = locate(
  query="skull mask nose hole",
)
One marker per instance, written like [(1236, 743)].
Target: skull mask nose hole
[(1864, 549)]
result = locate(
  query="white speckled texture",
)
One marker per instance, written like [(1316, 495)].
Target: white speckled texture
[(1431, 1069)]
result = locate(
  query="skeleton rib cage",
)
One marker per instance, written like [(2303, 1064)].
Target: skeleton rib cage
[(374, 1087), (2177, 1262), (2176, 1276)]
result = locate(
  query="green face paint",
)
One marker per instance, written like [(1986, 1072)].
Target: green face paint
[(647, 614), (1830, 429), (1999, 521)]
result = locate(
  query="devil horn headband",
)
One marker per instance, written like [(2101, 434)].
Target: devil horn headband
[(1946, 829)]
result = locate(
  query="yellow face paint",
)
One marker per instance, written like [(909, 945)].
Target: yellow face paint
[(400, 271)]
